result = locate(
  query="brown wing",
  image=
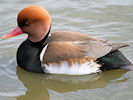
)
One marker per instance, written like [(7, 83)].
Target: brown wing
[(70, 36), (65, 49), (65, 44)]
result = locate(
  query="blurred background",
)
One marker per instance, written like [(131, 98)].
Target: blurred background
[(111, 20)]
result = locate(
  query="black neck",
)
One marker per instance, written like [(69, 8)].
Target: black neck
[(28, 54)]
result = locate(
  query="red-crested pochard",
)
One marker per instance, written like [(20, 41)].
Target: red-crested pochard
[(62, 52)]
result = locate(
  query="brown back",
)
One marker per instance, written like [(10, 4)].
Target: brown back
[(65, 44)]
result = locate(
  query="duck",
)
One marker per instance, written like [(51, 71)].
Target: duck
[(62, 52)]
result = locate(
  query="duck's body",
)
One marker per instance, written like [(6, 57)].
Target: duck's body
[(59, 54), (63, 52)]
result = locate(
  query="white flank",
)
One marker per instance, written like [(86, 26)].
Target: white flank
[(43, 52), (75, 69), (49, 34)]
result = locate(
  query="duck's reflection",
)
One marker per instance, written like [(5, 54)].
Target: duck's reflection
[(36, 88), (38, 84)]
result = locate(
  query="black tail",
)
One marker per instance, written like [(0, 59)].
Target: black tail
[(115, 60)]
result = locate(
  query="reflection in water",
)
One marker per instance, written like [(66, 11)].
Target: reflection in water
[(36, 88), (38, 84)]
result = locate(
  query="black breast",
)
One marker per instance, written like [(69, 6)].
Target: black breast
[(28, 56)]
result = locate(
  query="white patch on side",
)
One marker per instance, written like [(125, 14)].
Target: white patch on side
[(43, 52), (49, 34), (75, 69)]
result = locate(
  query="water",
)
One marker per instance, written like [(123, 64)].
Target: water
[(107, 19)]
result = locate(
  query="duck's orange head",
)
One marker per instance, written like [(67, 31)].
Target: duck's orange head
[(33, 20)]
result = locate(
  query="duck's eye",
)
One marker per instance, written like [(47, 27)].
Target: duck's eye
[(27, 23), (24, 24)]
